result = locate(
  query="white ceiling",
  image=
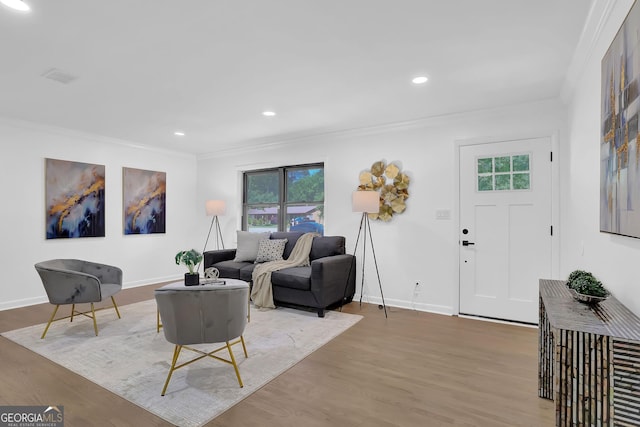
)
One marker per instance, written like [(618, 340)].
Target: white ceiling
[(147, 68)]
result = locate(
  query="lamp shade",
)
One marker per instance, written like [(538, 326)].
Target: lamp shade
[(215, 207), (365, 201)]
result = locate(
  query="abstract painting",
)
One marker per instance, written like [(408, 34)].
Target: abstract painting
[(144, 201), (74, 194), (619, 136)]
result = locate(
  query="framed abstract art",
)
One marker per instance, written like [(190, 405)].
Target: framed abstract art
[(74, 197), (619, 136), (144, 201)]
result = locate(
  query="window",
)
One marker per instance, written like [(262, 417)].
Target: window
[(289, 198), (503, 173)]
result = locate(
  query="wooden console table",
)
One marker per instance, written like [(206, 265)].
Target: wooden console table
[(589, 359)]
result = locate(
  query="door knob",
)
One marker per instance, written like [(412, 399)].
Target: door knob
[(467, 243)]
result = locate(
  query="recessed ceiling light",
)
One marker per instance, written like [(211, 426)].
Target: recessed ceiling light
[(16, 4), (420, 80), (268, 113), (178, 133)]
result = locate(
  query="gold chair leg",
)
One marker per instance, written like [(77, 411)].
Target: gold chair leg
[(176, 353), (244, 347), (93, 314), (158, 321), (73, 309), (235, 365), (55, 310), (116, 307)]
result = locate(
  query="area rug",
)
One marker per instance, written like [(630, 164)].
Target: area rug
[(130, 359)]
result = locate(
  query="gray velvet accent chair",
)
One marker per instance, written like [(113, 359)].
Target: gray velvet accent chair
[(74, 281), (203, 314)]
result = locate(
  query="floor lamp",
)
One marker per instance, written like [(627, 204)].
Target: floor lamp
[(367, 202), (215, 208)]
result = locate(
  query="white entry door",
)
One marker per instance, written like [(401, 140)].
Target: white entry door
[(505, 227)]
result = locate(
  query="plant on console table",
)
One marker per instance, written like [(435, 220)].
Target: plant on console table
[(190, 259), (586, 287)]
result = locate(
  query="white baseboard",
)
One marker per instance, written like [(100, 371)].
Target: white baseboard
[(151, 281), (428, 308), (8, 305)]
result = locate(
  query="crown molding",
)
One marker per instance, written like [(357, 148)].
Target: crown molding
[(283, 141), (76, 134), (598, 16)]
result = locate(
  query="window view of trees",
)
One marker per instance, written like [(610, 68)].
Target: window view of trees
[(296, 190), (263, 187), (305, 185)]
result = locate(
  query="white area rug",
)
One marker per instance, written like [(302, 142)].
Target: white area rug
[(130, 359)]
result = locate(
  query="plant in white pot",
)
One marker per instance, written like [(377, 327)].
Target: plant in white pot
[(190, 259)]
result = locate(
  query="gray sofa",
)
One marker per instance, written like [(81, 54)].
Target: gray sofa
[(328, 282)]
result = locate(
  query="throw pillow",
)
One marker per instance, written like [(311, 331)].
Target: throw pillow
[(248, 245), (270, 250)]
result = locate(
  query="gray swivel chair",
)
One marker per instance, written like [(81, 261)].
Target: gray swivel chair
[(200, 315), (73, 281)]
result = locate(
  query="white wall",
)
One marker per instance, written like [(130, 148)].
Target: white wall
[(613, 259), (414, 246), (144, 258)]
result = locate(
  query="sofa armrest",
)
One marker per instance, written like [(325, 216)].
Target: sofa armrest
[(214, 257), (333, 278)]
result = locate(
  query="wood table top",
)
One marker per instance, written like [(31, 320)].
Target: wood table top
[(609, 317)]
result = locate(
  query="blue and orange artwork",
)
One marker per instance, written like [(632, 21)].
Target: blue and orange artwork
[(144, 201), (74, 195)]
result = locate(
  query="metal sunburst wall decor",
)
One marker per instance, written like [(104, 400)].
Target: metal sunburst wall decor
[(393, 186)]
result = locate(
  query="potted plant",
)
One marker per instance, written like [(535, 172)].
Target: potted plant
[(586, 287), (190, 259)]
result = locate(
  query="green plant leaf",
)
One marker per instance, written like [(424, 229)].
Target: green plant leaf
[(585, 283), (189, 258)]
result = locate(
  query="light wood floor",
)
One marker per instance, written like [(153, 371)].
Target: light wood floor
[(412, 369)]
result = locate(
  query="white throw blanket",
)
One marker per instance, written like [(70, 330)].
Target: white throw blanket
[(261, 293)]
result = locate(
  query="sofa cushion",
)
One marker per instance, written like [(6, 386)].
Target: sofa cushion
[(246, 271), (270, 250), (231, 269), (248, 243), (327, 246), (291, 236), (294, 277)]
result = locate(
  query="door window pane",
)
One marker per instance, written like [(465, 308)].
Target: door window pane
[(520, 181), (503, 164), (485, 183), (485, 165), (503, 182), (521, 162)]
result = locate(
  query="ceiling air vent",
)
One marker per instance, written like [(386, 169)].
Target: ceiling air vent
[(58, 75)]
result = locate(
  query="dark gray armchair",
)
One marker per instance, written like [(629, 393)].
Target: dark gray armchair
[(73, 281), (200, 315)]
